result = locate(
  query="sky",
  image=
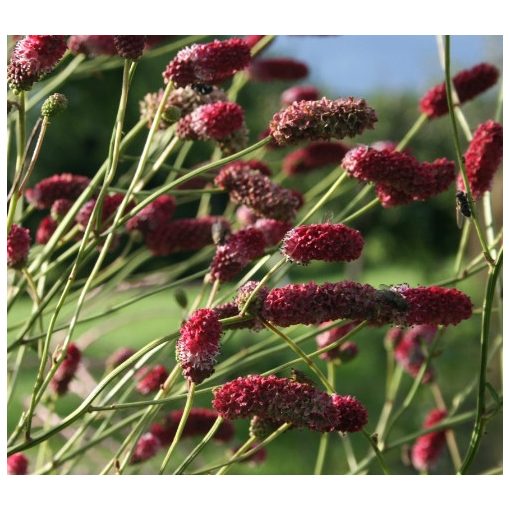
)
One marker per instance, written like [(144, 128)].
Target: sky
[(351, 65)]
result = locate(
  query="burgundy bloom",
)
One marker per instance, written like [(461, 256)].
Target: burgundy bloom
[(18, 246), (129, 46), (256, 191), (245, 166), (256, 458), (257, 302), (428, 448), (262, 428), (277, 69), (231, 309), (286, 400), (468, 84), (118, 357), (300, 93), (150, 380), (321, 120), (33, 57), (17, 464), (252, 40), (147, 447), (483, 157), (45, 230), (345, 351), (199, 345), (47, 191), (154, 215), (60, 208), (235, 141), (236, 253), (186, 234), (327, 241), (313, 156), (65, 372), (245, 215), (200, 420), (208, 63), (211, 121), (273, 230), (110, 205), (92, 45)]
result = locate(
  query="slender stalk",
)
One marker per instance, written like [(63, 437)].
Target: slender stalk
[(466, 230), (180, 427), (360, 211), (413, 131), (242, 449), (377, 452)]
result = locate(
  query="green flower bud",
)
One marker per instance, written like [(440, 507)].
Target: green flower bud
[(55, 104)]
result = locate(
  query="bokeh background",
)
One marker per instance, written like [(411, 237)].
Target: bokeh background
[(415, 244)]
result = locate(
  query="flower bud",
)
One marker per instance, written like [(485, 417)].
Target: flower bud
[(53, 105)]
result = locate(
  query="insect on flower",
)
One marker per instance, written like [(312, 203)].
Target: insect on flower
[(463, 208), (202, 88)]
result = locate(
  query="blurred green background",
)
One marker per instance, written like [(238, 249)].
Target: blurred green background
[(415, 244)]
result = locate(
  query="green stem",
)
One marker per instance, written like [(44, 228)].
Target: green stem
[(466, 230), (377, 452), (360, 211), (415, 128), (242, 449)]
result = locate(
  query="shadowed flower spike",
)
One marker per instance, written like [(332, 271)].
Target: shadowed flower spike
[(236, 253), (65, 372), (60, 208), (92, 45), (327, 241), (273, 230), (231, 309), (110, 205), (257, 302), (45, 230), (199, 345), (129, 46), (321, 120), (285, 400), (47, 191), (345, 351), (18, 246), (214, 121), (483, 157), (251, 164), (154, 215), (150, 380), (468, 84), (118, 357), (147, 447), (277, 69), (256, 191), (17, 464), (262, 428), (313, 156), (428, 448), (299, 93), (252, 40), (33, 57), (208, 63)]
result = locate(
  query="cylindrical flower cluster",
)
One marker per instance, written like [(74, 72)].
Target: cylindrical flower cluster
[(18, 246), (483, 157), (428, 448), (236, 253), (17, 464), (313, 156), (269, 69), (92, 45), (118, 357), (231, 309), (299, 93), (468, 84), (45, 230), (186, 234), (199, 345), (321, 120), (147, 447), (273, 230), (154, 215), (256, 191), (129, 46), (51, 189), (60, 208), (208, 63), (286, 400), (66, 371), (150, 379), (327, 241), (32, 58), (110, 205), (345, 351), (214, 121)]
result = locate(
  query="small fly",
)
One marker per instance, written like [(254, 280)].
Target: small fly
[(202, 88), (393, 298), (298, 376), (463, 209), (219, 233)]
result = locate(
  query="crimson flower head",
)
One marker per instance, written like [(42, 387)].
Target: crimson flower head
[(257, 302), (208, 63), (255, 190), (468, 84), (277, 69), (110, 205), (51, 189), (483, 157), (32, 58), (345, 351), (247, 165), (187, 234), (214, 121), (199, 345), (60, 208), (273, 230), (327, 241), (150, 380), (17, 464), (18, 246), (129, 46), (92, 45), (45, 230), (236, 253), (428, 448), (313, 156), (154, 215), (147, 447), (321, 120), (285, 400), (252, 40), (118, 357), (300, 93), (66, 371)]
